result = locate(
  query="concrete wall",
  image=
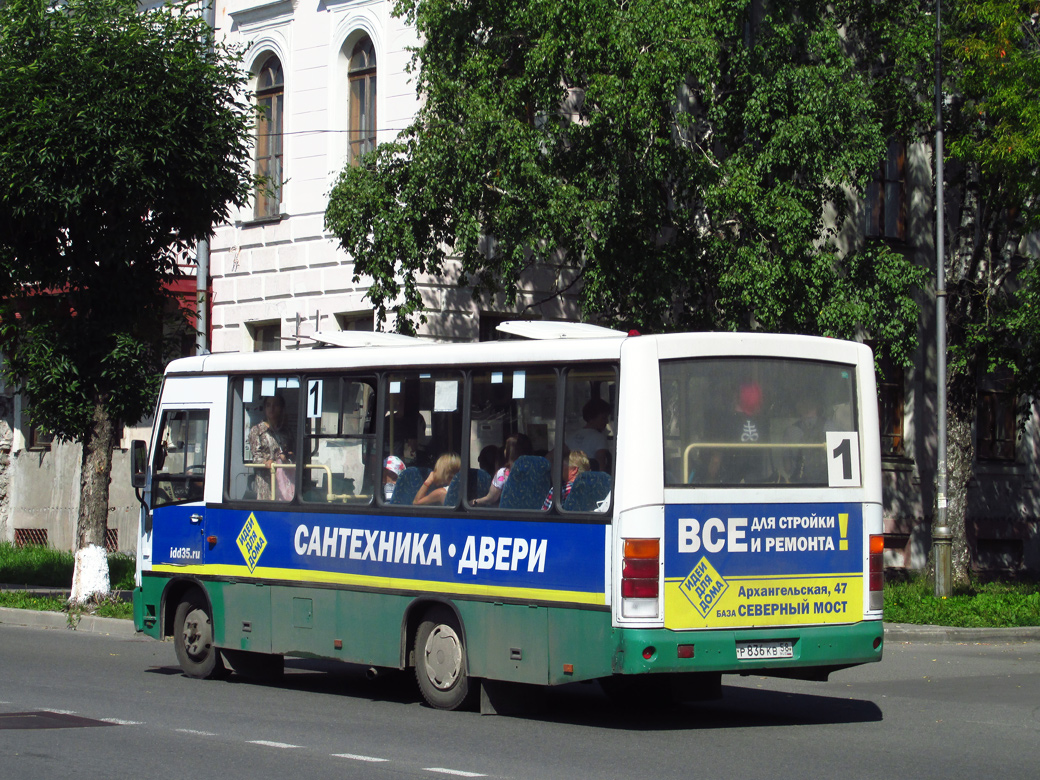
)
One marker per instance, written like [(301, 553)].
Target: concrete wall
[(42, 488)]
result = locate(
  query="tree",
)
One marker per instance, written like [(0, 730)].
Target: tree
[(992, 68), (681, 164), (124, 136)]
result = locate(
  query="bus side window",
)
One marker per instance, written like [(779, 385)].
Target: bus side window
[(422, 425), (589, 415), (264, 416), (339, 440), (589, 429), (179, 465), (513, 433)]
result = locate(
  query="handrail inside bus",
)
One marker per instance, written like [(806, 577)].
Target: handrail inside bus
[(736, 445), (330, 496)]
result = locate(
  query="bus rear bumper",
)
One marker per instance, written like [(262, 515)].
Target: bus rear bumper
[(823, 648)]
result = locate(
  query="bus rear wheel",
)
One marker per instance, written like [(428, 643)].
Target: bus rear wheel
[(193, 638), (440, 661)]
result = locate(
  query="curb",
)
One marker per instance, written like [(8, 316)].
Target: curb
[(88, 624), (935, 635)]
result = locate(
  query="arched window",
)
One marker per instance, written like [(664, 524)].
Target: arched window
[(362, 76), (270, 96)]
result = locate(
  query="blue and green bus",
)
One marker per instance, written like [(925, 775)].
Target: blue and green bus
[(573, 504)]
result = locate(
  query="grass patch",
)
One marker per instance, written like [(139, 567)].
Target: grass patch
[(108, 607), (50, 568), (989, 605), (19, 599)]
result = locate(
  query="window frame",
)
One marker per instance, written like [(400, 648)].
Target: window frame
[(891, 389), (886, 197), (361, 100), (992, 405), (270, 146)]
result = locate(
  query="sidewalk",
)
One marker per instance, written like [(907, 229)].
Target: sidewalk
[(88, 624), (937, 635)]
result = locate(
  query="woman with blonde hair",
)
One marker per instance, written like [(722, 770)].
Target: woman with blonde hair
[(435, 488)]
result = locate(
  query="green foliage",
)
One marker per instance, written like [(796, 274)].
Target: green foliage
[(682, 163), (98, 606), (124, 136), (20, 599), (993, 605), (993, 56), (35, 565), (106, 607), (50, 568), (992, 62)]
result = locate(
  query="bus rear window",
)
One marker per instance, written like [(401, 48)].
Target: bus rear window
[(753, 421)]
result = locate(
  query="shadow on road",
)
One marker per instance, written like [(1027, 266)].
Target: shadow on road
[(581, 704)]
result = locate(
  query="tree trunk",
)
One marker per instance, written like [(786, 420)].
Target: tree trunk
[(91, 573), (960, 459)]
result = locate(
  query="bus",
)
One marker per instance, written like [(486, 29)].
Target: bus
[(647, 511)]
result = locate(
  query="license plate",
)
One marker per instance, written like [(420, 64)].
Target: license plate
[(752, 651)]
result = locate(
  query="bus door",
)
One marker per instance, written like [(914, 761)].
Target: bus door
[(178, 483)]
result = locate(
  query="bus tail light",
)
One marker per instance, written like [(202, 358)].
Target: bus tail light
[(877, 571), (640, 578)]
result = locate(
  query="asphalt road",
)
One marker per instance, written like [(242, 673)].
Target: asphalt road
[(76, 705)]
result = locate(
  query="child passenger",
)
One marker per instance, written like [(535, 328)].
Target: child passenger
[(392, 468)]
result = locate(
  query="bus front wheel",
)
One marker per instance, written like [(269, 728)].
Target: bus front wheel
[(440, 661), (193, 638)]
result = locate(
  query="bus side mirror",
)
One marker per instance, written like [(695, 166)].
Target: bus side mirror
[(139, 463)]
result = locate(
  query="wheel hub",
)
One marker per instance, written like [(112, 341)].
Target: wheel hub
[(443, 657), (198, 633)]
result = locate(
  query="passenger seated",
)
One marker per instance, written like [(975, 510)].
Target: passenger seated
[(489, 459), (575, 464), (592, 439), (515, 447), (392, 468), (435, 487)]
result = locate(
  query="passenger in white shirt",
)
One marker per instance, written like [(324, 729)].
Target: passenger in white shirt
[(591, 439)]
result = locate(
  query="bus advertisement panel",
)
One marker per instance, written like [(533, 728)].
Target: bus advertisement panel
[(547, 562), (749, 565)]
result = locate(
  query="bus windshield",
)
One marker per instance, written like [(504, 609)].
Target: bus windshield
[(753, 421)]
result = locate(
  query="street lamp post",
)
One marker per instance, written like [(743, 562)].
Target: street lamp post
[(202, 323), (941, 536)]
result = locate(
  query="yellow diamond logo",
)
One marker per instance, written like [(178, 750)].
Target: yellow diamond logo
[(251, 542), (703, 586)]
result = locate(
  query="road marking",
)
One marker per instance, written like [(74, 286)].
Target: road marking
[(271, 744), (456, 772), (118, 722), (355, 757), (197, 733)]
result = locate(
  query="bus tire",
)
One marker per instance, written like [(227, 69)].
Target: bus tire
[(193, 638), (440, 661)]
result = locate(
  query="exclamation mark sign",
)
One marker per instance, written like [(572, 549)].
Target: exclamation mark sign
[(843, 526)]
